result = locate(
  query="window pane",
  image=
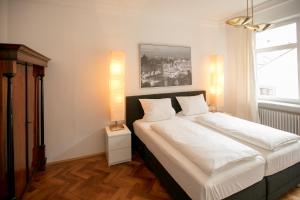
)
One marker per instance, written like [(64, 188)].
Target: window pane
[(277, 74), (277, 36)]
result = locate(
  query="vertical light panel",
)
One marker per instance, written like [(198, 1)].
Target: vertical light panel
[(216, 89), (117, 86)]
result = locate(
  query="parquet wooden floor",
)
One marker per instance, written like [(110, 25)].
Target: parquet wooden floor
[(92, 179)]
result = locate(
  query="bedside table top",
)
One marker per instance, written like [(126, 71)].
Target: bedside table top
[(124, 131)]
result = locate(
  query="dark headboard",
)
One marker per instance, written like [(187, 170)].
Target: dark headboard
[(134, 110)]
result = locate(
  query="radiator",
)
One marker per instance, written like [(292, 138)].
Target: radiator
[(281, 120)]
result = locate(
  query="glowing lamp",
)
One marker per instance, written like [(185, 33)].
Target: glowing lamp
[(216, 88), (117, 89)]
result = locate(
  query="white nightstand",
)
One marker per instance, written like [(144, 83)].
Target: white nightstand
[(118, 146)]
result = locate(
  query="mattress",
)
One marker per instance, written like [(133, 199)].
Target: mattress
[(277, 160), (189, 176)]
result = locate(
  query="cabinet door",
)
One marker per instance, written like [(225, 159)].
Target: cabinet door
[(31, 122), (19, 112)]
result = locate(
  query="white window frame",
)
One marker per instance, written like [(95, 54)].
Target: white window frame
[(281, 47)]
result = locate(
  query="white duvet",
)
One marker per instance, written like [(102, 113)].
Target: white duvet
[(253, 133), (206, 148)]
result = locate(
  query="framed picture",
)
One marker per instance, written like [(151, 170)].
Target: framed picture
[(163, 65)]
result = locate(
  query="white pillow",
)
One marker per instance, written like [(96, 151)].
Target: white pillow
[(157, 109), (193, 105)]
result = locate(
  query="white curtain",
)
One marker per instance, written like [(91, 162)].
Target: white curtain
[(240, 87)]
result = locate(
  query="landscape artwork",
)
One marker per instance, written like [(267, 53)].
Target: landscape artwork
[(163, 66)]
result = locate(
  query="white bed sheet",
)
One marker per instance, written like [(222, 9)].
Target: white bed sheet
[(208, 149), (190, 177), (276, 161)]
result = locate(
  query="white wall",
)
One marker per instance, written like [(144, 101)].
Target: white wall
[(3, 20), (78, 38)]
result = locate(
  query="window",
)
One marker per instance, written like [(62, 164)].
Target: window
[(277, 62)]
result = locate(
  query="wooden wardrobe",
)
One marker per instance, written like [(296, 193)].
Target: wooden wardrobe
[(22, 148)]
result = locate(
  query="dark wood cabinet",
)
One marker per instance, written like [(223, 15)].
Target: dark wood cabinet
[(22, 148)]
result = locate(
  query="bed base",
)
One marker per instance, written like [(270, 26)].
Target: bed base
[(256, 191), (281, 182)]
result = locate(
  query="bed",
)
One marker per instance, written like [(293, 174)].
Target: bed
[(282, 166), (190, 177), (157, 161)]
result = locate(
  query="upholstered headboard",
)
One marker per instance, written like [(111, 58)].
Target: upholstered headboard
[(134, 110)]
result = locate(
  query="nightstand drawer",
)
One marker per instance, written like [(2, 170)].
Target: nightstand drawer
[(120, 155), (118, 142)]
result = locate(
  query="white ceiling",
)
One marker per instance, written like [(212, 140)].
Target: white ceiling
[(221, 9), (201, 9), (205, 9)]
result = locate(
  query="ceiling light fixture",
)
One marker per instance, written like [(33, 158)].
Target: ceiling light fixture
[(249, 23), (241, 20)]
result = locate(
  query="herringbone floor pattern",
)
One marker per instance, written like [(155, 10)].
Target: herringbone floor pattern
[(92, 179)]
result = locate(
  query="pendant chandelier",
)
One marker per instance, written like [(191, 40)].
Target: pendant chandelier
[(248, 21)]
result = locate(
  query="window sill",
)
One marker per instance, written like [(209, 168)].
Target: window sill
[(279, 106)]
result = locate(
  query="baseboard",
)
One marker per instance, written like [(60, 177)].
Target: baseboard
[(74, 159)]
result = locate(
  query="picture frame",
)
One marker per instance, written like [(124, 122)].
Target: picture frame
[(164, 65)]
